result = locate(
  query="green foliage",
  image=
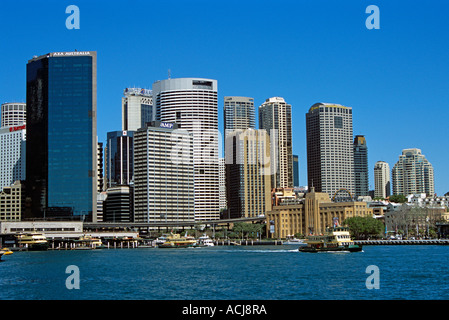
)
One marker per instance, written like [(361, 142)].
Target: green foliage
[(364, 227), (398, 198), (250, 230)]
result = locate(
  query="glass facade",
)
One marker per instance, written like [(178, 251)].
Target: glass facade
[(119, 158), (62, 124), (146, 114)]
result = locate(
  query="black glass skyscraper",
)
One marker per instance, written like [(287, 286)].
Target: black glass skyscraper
[(61, 136), (361, 182), (119, 158)]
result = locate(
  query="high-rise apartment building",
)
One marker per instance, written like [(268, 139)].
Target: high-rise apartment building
[(275, 116), (12, 155), (239, 113), (330, 159), (13, 114), (248, 173), (61, 171), (381, 180), (119, 158), (164, 174), (361, 182), (192, 104), (413, 174), (137, 108)]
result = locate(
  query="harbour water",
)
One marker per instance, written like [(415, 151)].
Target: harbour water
[(228, 273)]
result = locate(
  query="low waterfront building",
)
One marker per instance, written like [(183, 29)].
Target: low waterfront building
[(48, 227), (59, 231), (312, 215), (421, 200), (413, 219)]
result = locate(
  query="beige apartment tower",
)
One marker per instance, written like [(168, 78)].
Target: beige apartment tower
[(248, 173), (275, 116), (381, 180)]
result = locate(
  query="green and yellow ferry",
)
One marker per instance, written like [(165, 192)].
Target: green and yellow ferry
[(334, 239), (176, 241)]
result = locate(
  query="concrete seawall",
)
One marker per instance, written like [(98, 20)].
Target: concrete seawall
[(403, 242)]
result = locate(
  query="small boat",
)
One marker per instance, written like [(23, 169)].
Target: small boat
[(205, 241), (334, 239), (176, 241), (294, 241), (6, 251), (33, 241)]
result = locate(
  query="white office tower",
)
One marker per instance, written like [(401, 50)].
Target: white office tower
[(13, 114), (164, 174), (413, 174), (137, 108), (381, 179), (192, 104), (12, 155)]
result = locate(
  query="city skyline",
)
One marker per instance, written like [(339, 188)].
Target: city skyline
[(393, 78)]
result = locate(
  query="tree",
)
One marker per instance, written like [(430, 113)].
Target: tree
[(364, 227), (248, 229), (398, 198)]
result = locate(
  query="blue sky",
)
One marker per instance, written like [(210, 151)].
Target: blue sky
[(395, 78)]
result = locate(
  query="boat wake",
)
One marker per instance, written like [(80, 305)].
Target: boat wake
[(262, 251)]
